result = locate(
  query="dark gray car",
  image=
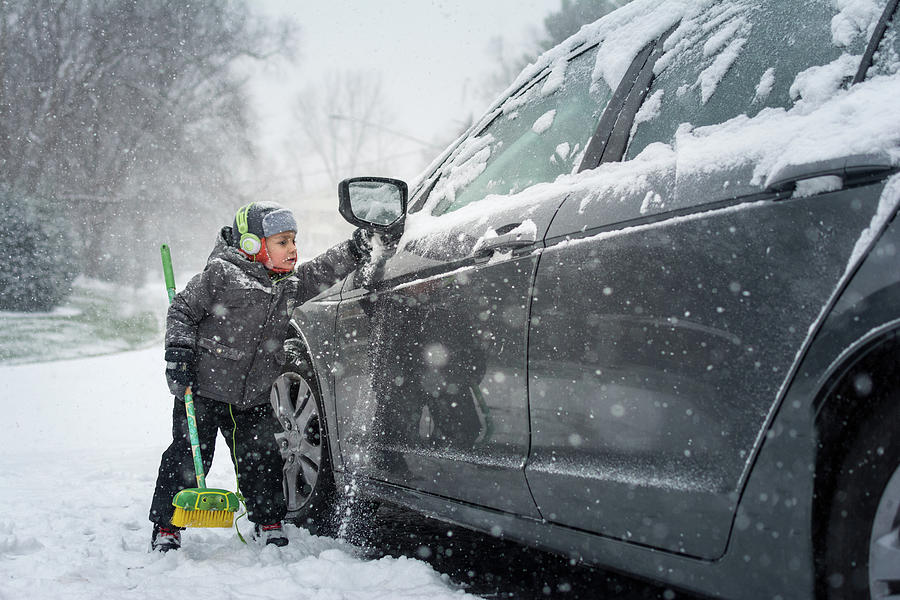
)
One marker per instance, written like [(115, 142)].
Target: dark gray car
[(645, 312)]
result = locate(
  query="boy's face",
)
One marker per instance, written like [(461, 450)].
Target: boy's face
[(282, 250)]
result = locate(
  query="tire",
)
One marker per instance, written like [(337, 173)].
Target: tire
[(862, 548), (309, 489)]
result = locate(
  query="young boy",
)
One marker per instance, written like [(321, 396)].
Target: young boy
[(224, 337)]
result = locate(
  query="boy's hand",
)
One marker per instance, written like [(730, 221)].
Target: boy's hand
[(180, 365), (362, 243)]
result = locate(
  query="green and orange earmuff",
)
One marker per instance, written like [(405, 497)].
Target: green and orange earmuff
[(249, 243)]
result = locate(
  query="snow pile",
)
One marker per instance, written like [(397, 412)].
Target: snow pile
[(80, 449), (855, 18), (544, 122), (861, 120), (712, 75)]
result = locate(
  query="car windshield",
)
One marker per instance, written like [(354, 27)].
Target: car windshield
[(537, 136)]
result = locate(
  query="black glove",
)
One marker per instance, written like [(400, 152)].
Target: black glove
[(361, 243), (392, 234), (180, 365)]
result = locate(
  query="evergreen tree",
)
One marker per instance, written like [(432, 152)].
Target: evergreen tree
[(37, 256), (572, 15), (557, 26)]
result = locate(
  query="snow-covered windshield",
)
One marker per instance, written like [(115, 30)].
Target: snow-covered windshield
[(534, 137)]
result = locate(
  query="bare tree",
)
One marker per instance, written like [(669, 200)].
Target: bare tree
[(120, 111), (557, 26), (343, 122), (507, 66)]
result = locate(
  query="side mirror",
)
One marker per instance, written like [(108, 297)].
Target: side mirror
[(376, 203)]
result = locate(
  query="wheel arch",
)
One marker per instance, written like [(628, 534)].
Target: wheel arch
[(299, 346), (858, 353), (782, 496), (869, 358), (850, 397), (351, 514), (861, 333)]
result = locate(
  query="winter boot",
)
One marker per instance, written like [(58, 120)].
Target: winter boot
[(165, 538), (271, 534)]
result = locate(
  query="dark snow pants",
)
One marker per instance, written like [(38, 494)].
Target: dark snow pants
[(259, 464)]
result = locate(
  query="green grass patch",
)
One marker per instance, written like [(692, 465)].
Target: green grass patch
[(98, 318)]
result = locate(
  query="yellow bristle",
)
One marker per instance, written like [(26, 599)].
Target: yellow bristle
[(202, 518)]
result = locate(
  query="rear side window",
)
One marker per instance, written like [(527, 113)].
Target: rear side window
[(537, 136), (741, 57)]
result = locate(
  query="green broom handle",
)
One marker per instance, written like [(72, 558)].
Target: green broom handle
[(195, 439), (188, 396), (167, 271)]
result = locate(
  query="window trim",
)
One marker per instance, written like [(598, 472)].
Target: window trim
[(618, 118), (599, 140), (869, 55)]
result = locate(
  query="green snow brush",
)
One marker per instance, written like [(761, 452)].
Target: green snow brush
[(200, 506)]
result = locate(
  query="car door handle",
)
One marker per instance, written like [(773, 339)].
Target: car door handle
[(785, 179), (507, 241)]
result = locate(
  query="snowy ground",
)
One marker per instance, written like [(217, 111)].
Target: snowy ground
[(79, 449)]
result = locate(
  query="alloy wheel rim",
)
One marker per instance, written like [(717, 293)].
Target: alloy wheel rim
[(300, 442), (884, 542)]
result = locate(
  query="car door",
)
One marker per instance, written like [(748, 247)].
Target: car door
[(668, 311), (431, 382)]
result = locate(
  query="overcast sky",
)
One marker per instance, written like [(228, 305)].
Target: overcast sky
[(430, 53)]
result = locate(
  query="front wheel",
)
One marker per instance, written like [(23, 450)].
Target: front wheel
[(862, 548), (308, 480)]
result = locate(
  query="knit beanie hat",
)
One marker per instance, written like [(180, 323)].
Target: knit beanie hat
[(258, 220)]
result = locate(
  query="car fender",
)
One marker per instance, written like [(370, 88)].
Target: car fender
[(312, 335), (776, 508)]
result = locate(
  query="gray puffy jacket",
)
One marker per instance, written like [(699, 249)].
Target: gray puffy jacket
[(236, 320)]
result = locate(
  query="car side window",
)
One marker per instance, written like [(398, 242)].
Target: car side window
[(537, 135), (741, 59)]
